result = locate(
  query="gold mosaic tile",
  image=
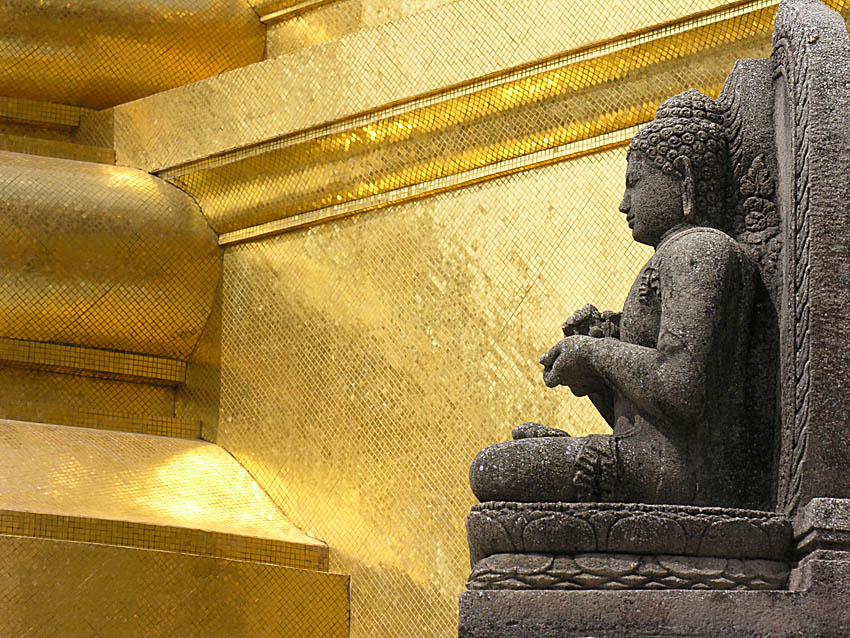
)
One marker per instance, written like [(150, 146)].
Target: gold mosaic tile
[(98, 53), (79, 590), (39, 112), (151, 492), (394, 62), (164, 538), (363, 362), (366, 361), (295, 25), (102, 257), (288, 32)]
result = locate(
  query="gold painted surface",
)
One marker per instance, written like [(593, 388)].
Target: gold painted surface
[(365, 362), (102, 257), (99, 53), (79, 590), (108, 364), (132, 489), (395, 62)]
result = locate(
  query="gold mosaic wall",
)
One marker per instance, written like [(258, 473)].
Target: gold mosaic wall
[(369, 70), (26, 394), (353, 366), (304, 24)]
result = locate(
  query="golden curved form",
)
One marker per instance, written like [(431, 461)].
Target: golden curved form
[(103, 257), (99, 53)]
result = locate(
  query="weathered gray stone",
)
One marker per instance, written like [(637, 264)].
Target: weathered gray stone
[(811, 51), (817, 605)]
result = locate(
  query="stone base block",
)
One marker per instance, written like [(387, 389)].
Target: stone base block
[(819, 609)]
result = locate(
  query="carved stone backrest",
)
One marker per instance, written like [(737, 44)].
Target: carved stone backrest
[(789, 136), (811, 64), (754, 222)]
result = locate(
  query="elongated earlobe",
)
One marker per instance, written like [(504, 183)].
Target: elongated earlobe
[(683, 165)]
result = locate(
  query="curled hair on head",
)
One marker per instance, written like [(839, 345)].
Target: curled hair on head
[(692, 126)]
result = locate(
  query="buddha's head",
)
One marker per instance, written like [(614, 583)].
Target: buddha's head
[(678, 169)]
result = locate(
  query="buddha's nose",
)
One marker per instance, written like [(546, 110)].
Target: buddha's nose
[(625, 205)]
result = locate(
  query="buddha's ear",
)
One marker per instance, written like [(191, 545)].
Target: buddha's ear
[(683, 165)]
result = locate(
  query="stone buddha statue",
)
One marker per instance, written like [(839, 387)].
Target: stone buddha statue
[(669, 372)]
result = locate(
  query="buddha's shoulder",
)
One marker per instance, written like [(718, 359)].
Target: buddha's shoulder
[(699, 243)]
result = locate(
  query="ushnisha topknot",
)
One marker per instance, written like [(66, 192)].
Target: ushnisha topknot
[(691, 125)]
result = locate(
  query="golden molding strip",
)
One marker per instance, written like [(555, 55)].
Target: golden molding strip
[(547, 106), (506, 81), (91, 361), (265, 7), (423, 54), (273, 17), (164, 538), (468, 178), (96, 419)]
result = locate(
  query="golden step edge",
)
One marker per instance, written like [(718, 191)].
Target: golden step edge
[(47, 129), (144, 492), (126, 591), (98, 419), (61, 359)]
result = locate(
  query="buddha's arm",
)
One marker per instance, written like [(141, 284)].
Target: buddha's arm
[(698, 290)]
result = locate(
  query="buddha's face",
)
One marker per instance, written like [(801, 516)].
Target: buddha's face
[(653, 200)]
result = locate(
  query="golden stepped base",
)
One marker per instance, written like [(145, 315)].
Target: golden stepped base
[(60, 588), (98, 419), (149, 492)]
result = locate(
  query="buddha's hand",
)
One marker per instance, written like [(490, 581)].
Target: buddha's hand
[(588, 321), (567, 364)]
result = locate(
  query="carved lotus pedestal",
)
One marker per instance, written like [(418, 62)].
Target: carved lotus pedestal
[(547, 570), (567, 546)]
